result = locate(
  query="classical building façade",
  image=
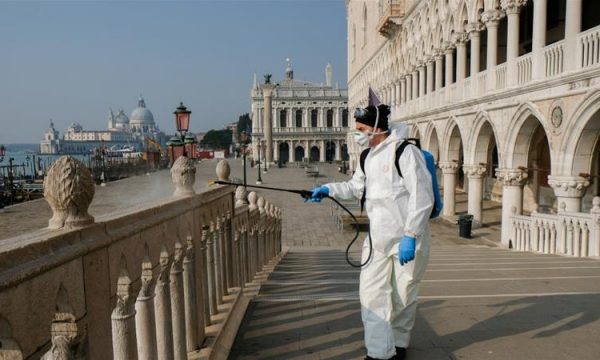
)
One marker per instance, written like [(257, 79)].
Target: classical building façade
[(307, 120), (505, 94)]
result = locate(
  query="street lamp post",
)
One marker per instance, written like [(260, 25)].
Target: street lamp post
[(244, 141), (182, 122), (259, 180), (2, 153)]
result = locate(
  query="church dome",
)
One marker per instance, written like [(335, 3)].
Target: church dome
[(121, 118), (141, 115)]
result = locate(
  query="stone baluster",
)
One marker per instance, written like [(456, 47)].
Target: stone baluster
[(527, 237), (535, 236), (218, 258), (236, 259), (546, 238), (553, 239), (229, 252), (577, 239), (244, 257), (189, 294), (204, 276), (252, 198), (69, 190), (210, 266), (123, 317), (260, 248), (241, 196), (178, 304), (570, 239), (585, 239), (144, 308), (595, 211), (162, 309), (64, 334), (562, 248), (183, 174)]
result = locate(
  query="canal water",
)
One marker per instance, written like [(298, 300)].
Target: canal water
[(23, 162)]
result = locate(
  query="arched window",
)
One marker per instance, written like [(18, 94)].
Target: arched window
[(283, 118), (329, 118), (345, 118), (298, 118), (313, 117)]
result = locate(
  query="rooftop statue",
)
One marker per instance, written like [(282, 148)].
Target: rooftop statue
[(268, 78)]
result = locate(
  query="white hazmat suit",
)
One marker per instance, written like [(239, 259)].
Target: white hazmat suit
[(396, 206)]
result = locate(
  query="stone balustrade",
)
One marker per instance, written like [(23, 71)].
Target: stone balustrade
[(565, 233), (160, 283)]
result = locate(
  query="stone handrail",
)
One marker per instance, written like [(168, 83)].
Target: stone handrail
[(554, 59), (153, 284), (574, 234), (588, 47)]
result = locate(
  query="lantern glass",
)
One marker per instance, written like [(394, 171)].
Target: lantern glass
[(182, 118)]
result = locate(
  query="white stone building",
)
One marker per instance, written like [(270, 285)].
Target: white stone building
[(505, 94), (308, 120)]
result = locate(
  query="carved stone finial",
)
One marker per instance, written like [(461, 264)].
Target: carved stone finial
[(223, 170), (69, 190), (261, 204), (240, 196), (183, 173), (253, 198)]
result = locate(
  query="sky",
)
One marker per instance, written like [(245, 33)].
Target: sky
[(71, 61)]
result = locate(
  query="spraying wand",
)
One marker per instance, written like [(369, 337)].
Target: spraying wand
[(306, 195)]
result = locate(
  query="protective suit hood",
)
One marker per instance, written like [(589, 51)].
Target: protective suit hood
[(398, 130)]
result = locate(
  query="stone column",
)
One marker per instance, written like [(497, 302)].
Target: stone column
[(512, 199), (409, 87), (292, 151), (162, 309), (439, 58), (189, 293), (569, 191), (572, 29), (512, 9), (421, 69), (338, 151), (144, 308), (540, 11), (449, 169), (393, 95), (474, 31), (449, 64), (476, 174), (322, 152), (430, 76), (415, 83), (403, 90), (123, 318), (268, 121), (276, 151), (178, 305), (461, 55), (491, 19)]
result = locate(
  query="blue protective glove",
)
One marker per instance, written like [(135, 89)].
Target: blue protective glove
[(318, 193), (406, 249)]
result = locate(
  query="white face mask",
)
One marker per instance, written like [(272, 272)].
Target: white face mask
[(362, 138)]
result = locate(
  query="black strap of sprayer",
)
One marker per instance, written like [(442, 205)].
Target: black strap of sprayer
[(306, 194)]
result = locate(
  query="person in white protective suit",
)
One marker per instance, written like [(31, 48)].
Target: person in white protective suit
[(398, 209)]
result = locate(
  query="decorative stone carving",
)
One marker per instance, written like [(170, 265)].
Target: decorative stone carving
[(595, 205), (512, 6), (568, 186), (223, 170), (448, 47), (69, 190), (474, 28), (449, 167), (241, 196), (261, 205), (63, 330), (492, 17), (475, 171), (147, 288), (183, 173), (252, 198), (556, 116), (460, 37), (512, 177), (125, 298)]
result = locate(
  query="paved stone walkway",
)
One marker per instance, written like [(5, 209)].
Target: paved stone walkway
[(477, 301)]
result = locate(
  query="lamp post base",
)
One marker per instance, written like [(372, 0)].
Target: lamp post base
[(258, 182)]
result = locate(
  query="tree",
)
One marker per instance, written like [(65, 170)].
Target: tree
[(244, 124), (217, 139)]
